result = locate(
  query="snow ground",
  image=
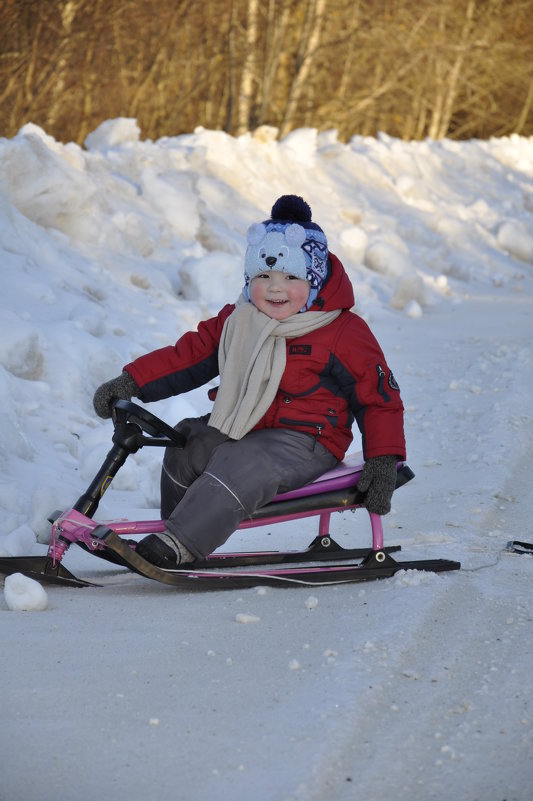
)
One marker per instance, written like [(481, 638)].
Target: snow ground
[(418, 687)]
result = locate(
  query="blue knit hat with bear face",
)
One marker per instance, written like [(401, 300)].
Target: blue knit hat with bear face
[(288, 242)]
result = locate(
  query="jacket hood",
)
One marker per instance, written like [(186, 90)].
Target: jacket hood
[(337, 291)]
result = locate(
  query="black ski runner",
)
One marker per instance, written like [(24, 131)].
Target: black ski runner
[(375, 564), (516, 546), (323, 548)]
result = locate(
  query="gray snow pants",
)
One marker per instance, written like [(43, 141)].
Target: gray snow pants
[(211, 485)]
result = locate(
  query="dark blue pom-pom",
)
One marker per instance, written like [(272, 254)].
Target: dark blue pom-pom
[(291, 207)]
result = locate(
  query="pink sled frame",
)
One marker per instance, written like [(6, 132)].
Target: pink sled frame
[(73, 526)]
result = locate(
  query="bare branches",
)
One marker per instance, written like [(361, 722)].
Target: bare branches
[(456, 68)]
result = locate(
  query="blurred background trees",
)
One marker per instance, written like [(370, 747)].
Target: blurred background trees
[(456, 68)]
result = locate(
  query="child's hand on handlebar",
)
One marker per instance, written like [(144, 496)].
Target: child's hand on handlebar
[(121, 388)]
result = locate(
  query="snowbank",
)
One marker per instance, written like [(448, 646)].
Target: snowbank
[(117, 248)]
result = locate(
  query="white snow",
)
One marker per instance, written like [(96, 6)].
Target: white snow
[(244, 617), (416, 688), (24, 594)]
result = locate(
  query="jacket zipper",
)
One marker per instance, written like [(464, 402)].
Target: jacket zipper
[(319, 426), (381, 383)]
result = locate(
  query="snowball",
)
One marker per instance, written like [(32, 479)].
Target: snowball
[(242, 617), (516, 240), (311, 602), (24, 594), (388, 259), (408, 289), (113, 132), (353, 242), (413, 310)]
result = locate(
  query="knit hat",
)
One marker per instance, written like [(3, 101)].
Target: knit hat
[(288, 242)]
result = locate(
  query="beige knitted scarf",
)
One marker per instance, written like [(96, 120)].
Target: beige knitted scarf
[(251, 357)]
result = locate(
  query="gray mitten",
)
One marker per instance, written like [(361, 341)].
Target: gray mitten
[(121, 388), (378, 480)]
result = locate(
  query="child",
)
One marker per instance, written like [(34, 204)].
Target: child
[(296, 368)]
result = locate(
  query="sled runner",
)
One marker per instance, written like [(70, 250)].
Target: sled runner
[(324, 562), (516, 546)]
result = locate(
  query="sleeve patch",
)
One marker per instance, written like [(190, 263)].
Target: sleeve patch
[(393, 384)]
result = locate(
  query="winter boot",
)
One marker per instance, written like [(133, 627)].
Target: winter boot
[(164, 550)]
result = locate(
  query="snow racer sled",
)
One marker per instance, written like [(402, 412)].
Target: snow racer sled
[(324, 562)]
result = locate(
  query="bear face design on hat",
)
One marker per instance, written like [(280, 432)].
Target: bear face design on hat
[(289, 242)]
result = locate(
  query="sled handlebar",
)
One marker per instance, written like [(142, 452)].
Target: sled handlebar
[(132, 422)]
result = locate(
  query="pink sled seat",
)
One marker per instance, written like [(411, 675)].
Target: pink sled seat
[(345, 474)]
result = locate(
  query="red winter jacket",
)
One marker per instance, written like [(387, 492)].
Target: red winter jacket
[(333, 375)]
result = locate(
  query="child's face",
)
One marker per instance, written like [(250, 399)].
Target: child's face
[(279, 295)]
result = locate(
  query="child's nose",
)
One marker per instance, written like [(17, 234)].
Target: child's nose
[(276, 280)]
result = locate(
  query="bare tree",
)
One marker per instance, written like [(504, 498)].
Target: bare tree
[(457, 68), (448, 63), (249, 69), (276, 35), (307, 48)]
